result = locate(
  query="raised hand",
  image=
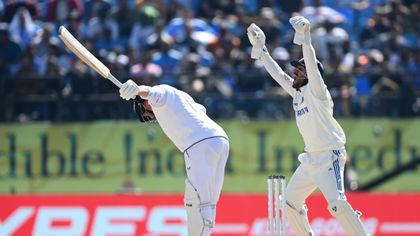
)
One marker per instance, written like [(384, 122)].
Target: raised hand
[(300, 24), (257, 39), (302, 27)]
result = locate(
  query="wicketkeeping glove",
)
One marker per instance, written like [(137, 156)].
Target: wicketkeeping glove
[(257, 38), (302, 28)]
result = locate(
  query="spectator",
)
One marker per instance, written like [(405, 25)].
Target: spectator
[(383, 80), (375, 26), (102, 30), (28, 68), (94, 7), (249, 77), (228, 6), (52, 63), (290, 7), (117, 62), (413, 63), (10, 52), (328, 36), (168, 59), (42, 42), (348, 57), (222, 52), (407, 96), (400, 15), (1, 9), (76, 26), (23, 29), (60, 10), (270, 24), (120, 14), (146, 71), (13, 6), (186, 29), (318, 13), (193, 76), (144, 30)]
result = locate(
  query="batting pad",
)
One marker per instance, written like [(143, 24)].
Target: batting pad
[(348, 218), (298, 220), (200, 217)]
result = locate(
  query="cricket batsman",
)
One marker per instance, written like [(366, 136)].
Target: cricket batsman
[(322, 163), (204, 143)]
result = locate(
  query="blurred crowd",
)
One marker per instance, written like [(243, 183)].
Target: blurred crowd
[(369, 48)]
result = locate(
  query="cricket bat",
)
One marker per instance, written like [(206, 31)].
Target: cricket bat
[(83, 54)]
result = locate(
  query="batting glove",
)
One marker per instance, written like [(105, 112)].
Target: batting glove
[(257, 38), (302, 28), (129, 90)]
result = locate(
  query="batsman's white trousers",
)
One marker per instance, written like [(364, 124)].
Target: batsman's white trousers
[(323, 170), (205, 164)]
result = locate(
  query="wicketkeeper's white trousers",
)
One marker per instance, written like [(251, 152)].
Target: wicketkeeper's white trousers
[(323, 170)]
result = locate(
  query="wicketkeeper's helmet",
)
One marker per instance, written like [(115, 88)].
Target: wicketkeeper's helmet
[(302, 63)]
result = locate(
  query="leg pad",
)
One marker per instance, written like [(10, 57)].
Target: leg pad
[(298, 220), (348, 218), (200, 216)]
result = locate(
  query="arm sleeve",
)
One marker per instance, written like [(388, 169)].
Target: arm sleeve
[(316, 83), (277, 73), (158, 95)]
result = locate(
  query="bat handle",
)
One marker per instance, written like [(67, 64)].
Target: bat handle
[(114, 80)]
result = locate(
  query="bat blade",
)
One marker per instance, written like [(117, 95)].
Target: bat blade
[(83, 54)]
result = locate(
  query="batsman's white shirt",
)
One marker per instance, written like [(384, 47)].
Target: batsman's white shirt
[(183, 120), (313, 105)]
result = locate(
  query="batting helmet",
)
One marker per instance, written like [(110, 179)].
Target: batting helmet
[(301, 62), (141, 110)]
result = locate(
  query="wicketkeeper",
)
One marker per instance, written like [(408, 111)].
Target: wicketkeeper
[(204, 143), (322, 163)]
